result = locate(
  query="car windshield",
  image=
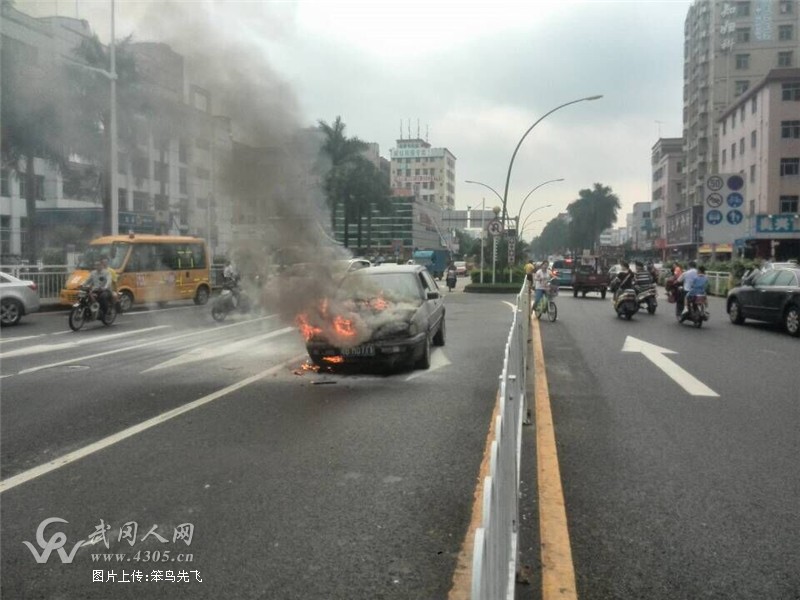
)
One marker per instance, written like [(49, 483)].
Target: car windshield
[(392, 287), (115, 253)]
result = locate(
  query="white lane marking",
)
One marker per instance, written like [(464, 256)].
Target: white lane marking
[(438, 361), (19, 339), (199, 354), (41, 348), (655, 354), (511, 305), (4, 376), (137, 346), (30, 474)]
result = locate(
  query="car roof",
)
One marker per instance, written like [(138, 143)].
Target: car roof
[(390, 268)]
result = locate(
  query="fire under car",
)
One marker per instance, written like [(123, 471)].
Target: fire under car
[(389, 315)]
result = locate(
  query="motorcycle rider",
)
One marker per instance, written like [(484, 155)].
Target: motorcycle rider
[(687, 281), (452, 275), (230, 278), (625, 279), (100, 282)]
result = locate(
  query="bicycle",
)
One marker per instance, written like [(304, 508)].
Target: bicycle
[(547, 306)]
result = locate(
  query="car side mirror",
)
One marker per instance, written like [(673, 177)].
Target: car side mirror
[(433, 295)]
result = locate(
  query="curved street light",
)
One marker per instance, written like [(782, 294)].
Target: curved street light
[(519, 214), (524, 135), (496, 193), (528, 216)]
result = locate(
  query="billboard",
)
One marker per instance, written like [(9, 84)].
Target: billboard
[(723, 209)]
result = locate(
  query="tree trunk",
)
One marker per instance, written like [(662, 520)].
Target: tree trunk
[(32, 253)]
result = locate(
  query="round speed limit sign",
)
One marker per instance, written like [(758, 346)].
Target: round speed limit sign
[(495, 227)]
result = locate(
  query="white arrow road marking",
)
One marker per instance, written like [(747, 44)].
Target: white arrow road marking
[(217, 351), (655, 354), (513, 307), (40, 348), (438, 361), (142, 345)]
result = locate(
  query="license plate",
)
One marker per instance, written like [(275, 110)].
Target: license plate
[(357, 351)]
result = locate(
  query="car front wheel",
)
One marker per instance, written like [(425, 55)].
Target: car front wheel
[(10, 312), (735, 312), (424, 361), (792, 320)]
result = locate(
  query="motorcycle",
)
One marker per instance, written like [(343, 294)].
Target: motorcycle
[(87, 308), (646, 298), (698, 310), (451, 280), (231, 299), (625, 299)]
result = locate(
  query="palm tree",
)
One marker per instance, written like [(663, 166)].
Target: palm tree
[(33, 123), (594, 211), (343, 153)]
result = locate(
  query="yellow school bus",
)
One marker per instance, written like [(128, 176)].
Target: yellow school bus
[(149, 268)]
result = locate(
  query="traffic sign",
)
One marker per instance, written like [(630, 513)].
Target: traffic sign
[(495, 227), (723, 201)]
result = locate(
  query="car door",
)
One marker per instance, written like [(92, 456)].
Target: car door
[(774, 296), (754, 299), (434, 307)]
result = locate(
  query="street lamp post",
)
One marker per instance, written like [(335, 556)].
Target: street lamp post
[(112, 180), (528, 216), (514, 155), (519, 214)]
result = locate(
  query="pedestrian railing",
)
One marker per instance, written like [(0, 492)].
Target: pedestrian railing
[(719, 282), (494, 556), (49, 279)]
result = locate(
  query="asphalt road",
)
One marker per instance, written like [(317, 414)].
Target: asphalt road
[(298, 484), (669, 494)]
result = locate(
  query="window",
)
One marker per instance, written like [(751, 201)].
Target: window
[(741, 146), (742, 61), (790, 129), (790, 166), (203, 173), (724, 126), (790, 91), (724, 157), (733, 150), (742, 9), (182, 151), (38, 187), (742, 35), (789, 204), (753, 105), (785, 7), (5, 234), (785, 59), (140, 201), (740, 87), (733, 120), (161, 202), (182, 186), (785, 32), (160, 171), (752, 139), (785, 278), (122, 198), (741, 114), (752, 173), (5, 189)]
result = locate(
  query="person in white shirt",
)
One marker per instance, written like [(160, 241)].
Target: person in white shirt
[(100, 282), (687, 280), (540, 281)]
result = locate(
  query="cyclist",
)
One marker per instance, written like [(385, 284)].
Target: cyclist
[(541, 280)]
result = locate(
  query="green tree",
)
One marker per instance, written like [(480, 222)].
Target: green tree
[(593, 212), (340, 182), (32, 95), (553, 239)]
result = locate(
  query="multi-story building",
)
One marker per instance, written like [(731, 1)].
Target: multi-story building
[(169, 172), (728, 47), (640, 226), (668, 184), (430, 173), (759, 138)]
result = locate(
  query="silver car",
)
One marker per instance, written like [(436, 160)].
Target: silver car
[(17, 297)]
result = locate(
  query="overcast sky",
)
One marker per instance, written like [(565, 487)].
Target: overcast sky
[(475, 75)]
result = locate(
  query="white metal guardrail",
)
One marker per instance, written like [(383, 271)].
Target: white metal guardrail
[(494, 556), (49, 279)]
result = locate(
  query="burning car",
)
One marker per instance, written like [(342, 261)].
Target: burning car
[(390, 314)]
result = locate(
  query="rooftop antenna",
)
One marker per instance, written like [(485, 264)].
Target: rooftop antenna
[(426, 132), (401, 129), (417, 128), (409, 129)]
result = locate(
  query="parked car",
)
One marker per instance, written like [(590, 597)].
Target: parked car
[(461, 268), (18, 297), (390, 314), (563, 269), (772, 296)]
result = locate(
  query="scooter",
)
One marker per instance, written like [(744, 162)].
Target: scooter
[(451, 280), (646, 298), (698, 310), (626, 304), (231, 299), (87, 308)]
